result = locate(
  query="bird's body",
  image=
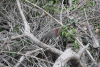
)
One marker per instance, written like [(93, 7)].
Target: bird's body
[(51, 33)]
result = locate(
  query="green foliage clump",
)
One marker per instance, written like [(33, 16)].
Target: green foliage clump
[(50, 7), (70, 33), (74, 5)]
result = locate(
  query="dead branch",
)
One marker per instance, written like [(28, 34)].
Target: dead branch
[(61, 11), (22, 37), (32, 37), (45, 12), (22, 57), (94, 40), (78, 7), (25, 55), (67, 55), (86, 51), (83, 30)]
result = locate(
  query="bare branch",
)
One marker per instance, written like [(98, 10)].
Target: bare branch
[(32, 37), (67, 55), (90, 18), (27, 28), (86, 51), (22, 57), (78, 7), (70, 2), (18, 36), (45, 12), (27, 55), (83, 30), (94, 40), (43, 45), (61, 11)]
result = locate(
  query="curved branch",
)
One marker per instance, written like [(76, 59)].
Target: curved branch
[(32, 37), (45, 12), (65, 57), (69, 55), (27, 28)]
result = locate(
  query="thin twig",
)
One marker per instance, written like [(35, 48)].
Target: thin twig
[(88, 23), (94, 40), (22, 57), (90, 18), (86, 50), (32, 37), (78, 7), (45, 12), (27, 56), (26, 25), (61, 11), (83, 30)]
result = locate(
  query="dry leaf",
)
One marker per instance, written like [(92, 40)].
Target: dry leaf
[(96, 31)]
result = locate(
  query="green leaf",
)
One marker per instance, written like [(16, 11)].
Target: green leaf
[(50, 2), (14, 43), (88, 3), (62, 33), (13, 54), (75, 42), (26, 43), (71, 31), (6, 52), (77, 46), (72, 45), (64, 39), (67, 34)]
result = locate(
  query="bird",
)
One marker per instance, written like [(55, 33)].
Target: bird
[(51, 33), (55, 32)]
